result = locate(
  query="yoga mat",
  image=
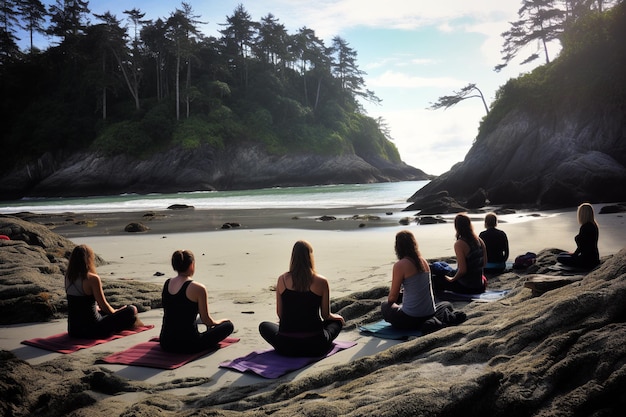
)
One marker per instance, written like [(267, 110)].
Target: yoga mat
[(385, 330), (149, 354), (63, 343), (269, 364), (489, 295)]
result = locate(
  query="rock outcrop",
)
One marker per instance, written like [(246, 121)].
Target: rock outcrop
[(206, 168), (553, 159)]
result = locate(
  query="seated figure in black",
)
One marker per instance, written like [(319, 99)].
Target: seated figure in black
[(89, 313), (471, 257), (586, 255), (306, 325), (183, 301), (496, 243)]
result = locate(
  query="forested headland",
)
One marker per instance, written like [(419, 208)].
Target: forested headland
[(555, 136), (122, 85)]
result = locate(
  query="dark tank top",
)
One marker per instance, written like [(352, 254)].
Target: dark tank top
[(179, 316), (473, 278), (301, 312)]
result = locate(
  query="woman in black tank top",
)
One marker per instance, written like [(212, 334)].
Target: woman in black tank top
[(306, 327), (471, 256)]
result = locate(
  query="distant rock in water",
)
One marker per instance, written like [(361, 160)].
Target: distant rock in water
[(136, 227), (180, 207), (326, 218), (615, 208), (231, 225)]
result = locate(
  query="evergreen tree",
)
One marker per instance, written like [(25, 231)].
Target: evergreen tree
[(181, 32), (8, 27), (237, 39), (155, 42), (348, 73), (68, 19), (34, 14)]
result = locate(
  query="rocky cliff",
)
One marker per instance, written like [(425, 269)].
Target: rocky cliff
[(558, 158), (555, 136), (551, 159), (204, 168)]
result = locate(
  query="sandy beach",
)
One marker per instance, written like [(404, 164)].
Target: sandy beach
[(240, 266)]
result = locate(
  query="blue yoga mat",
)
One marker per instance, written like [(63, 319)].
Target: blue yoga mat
[(384, 330)]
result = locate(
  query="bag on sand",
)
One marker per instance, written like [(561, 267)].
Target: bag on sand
[(525, 260)]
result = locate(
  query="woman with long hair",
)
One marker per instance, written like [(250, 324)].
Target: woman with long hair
[(306, 325), (410, 304), (471, 258), (89, 313), (183, 300), (586, 255)]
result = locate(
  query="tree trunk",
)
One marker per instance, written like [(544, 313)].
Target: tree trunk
[(178, 86)]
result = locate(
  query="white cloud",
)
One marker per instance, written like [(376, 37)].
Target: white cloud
[(395, 79)]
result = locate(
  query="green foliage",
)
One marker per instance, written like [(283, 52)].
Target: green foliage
[(102, 88), (195, 131), (159, 123), (368, 140), (125, 137), (589, 72)]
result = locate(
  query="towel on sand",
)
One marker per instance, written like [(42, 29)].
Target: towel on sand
[(385, 330), (150, 355), (63, 343), (269, 364), (489, 295)]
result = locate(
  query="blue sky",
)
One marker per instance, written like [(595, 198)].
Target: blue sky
[(413, 52)]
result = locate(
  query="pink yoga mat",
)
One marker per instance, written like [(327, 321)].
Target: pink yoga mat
[(269, 364), (150, 354), (63, 343)]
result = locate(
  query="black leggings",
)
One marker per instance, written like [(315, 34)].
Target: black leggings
[(206, 340), (440, 283), (575, 261), (312, 346), (123, 319), (444, 316)]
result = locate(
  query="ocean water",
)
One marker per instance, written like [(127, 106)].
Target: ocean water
[(381, 195)]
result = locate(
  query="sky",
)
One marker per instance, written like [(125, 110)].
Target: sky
[(412, 52)]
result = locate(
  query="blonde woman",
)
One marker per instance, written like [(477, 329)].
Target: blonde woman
[(306, 325), (89, 314), (586, 255)]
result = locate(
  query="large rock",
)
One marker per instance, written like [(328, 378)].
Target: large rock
[(557, 158), (246, 166)]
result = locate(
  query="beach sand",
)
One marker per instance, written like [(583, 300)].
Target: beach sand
[(240, 267)]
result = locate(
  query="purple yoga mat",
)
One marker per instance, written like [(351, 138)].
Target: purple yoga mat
[(269, 364)]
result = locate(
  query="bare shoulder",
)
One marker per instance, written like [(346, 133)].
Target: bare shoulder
[(461, 244), (320, 282), (283, 281), (197, 287), (93, 279)]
